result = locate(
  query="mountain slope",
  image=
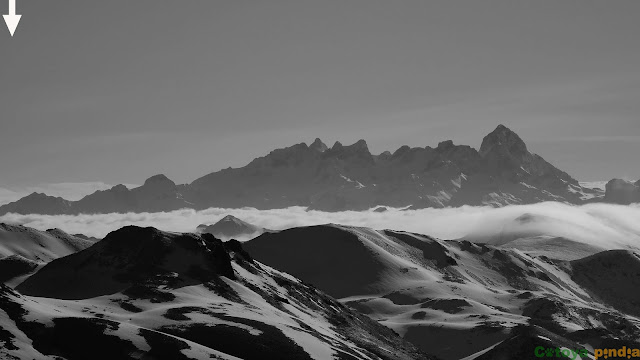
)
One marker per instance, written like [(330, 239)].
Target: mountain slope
[(454, 299), (144, 293), (23, 249), (41, 246)]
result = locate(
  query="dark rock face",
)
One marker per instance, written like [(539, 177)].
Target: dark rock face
[(614, 276), (506, 153), (622, 192), (504, 149), (348, 177), (305, 252), (135, 258), (15, 265), (318, 145)]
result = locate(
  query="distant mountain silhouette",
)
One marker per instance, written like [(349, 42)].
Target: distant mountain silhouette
[(349, 177), (230, 227), (622, 192)]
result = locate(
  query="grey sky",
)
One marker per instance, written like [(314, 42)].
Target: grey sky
[(116, 91)]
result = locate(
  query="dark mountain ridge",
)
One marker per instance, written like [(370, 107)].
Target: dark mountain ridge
[(186, 296), (348, 177)]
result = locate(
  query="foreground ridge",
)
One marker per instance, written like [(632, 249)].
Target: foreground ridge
[(145, 293)]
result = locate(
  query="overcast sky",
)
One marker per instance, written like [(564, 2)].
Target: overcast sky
[(116, 91)]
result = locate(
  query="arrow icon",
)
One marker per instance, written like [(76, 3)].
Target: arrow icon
[(12, 19)]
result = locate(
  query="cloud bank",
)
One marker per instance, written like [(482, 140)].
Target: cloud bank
[(605, 225)]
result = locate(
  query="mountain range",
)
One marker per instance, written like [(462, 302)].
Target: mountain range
[(503, 171), (317, 292), (141, 293), (457, 299)]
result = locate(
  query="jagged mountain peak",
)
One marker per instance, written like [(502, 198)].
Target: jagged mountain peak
[(359, 148), (337, 146), (385, 155), (445, 145), (401, 151), (503, 140), (361, 145), (319, 145)]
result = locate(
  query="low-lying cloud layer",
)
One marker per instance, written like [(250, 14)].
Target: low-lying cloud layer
[(605, 225)]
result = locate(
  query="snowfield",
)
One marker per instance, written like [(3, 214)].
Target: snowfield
[(143, 293)]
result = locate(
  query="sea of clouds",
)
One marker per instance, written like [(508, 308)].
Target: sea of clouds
[(605, 225)]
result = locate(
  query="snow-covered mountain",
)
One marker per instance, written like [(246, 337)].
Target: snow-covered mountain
[(23, 249), (230, 227), (458, 299), (141, 293), (503, 171)]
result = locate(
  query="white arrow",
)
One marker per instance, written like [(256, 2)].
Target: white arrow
[(12, 19)]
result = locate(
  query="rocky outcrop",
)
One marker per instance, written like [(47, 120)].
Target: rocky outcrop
[(622, 192), (158, 193), (319, 146), (132, 257)]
